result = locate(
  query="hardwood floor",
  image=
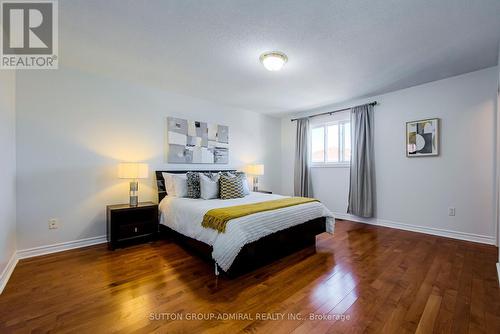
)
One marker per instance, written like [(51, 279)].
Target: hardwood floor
[(379, 279)]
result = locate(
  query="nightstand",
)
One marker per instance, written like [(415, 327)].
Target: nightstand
[(128, 225), (264, 191)]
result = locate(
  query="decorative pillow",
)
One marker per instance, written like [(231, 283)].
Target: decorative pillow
[(193, 183), (209, 186), (175, 184), (243, 176), (231, 187)]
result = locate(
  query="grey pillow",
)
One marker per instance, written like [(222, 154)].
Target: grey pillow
[(209, 186), (244, 179), (231, 187)]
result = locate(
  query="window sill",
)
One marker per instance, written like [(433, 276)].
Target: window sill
[(331, 166)]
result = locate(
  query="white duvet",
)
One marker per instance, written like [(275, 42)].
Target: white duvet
[(185, 216)]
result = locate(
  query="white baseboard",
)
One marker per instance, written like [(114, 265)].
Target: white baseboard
[(484, 239), (7, 271), (498, 272), (63, 246)]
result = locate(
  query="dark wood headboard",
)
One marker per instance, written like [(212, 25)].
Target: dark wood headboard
[(160, 182)]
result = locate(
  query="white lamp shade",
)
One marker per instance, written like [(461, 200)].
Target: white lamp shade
[(255, 169), (133, 170)]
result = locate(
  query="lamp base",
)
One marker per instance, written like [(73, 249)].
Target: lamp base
[(134, 201), (255, 183), (134, 196)]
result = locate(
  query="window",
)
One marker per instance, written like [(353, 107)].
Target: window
[(331, 143)]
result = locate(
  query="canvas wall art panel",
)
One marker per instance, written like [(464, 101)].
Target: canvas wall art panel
[(422, 138), (195, 142)]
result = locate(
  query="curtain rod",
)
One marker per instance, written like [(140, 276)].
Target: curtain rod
[(374, 103)]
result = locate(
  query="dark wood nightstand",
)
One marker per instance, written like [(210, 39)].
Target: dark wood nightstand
[(264, 191), (129, 225)]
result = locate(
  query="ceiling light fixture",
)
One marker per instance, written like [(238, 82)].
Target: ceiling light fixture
[(274, 60)]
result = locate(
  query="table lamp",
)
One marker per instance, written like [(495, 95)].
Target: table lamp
[(133, 171), (255, 171)]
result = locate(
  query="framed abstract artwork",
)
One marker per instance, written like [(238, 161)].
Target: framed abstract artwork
[(422, 138), (195, 142)]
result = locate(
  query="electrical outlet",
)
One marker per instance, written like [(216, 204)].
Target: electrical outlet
[(451, 211), (53, 224)]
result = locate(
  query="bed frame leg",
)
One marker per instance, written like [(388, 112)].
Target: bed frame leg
[(216, 269)]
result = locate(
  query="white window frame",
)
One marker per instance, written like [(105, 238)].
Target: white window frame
[(341, 163)]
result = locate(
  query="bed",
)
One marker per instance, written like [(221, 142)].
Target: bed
[(249, 242)]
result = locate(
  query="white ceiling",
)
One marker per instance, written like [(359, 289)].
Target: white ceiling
[(338, 50)]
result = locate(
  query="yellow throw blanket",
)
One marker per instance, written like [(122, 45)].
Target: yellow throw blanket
[(218, 218)]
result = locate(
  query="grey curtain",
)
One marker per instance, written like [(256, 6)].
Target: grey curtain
[(302, 172), (362, 180)]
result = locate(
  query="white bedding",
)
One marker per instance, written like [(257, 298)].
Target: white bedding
[(185, 215)]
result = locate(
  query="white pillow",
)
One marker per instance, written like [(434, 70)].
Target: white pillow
[(246, 189), (209, 187), (175, 184)]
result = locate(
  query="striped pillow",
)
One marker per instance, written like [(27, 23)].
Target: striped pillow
[(231, 187)]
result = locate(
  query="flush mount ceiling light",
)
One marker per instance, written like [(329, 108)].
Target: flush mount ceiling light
[(274, 60)]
